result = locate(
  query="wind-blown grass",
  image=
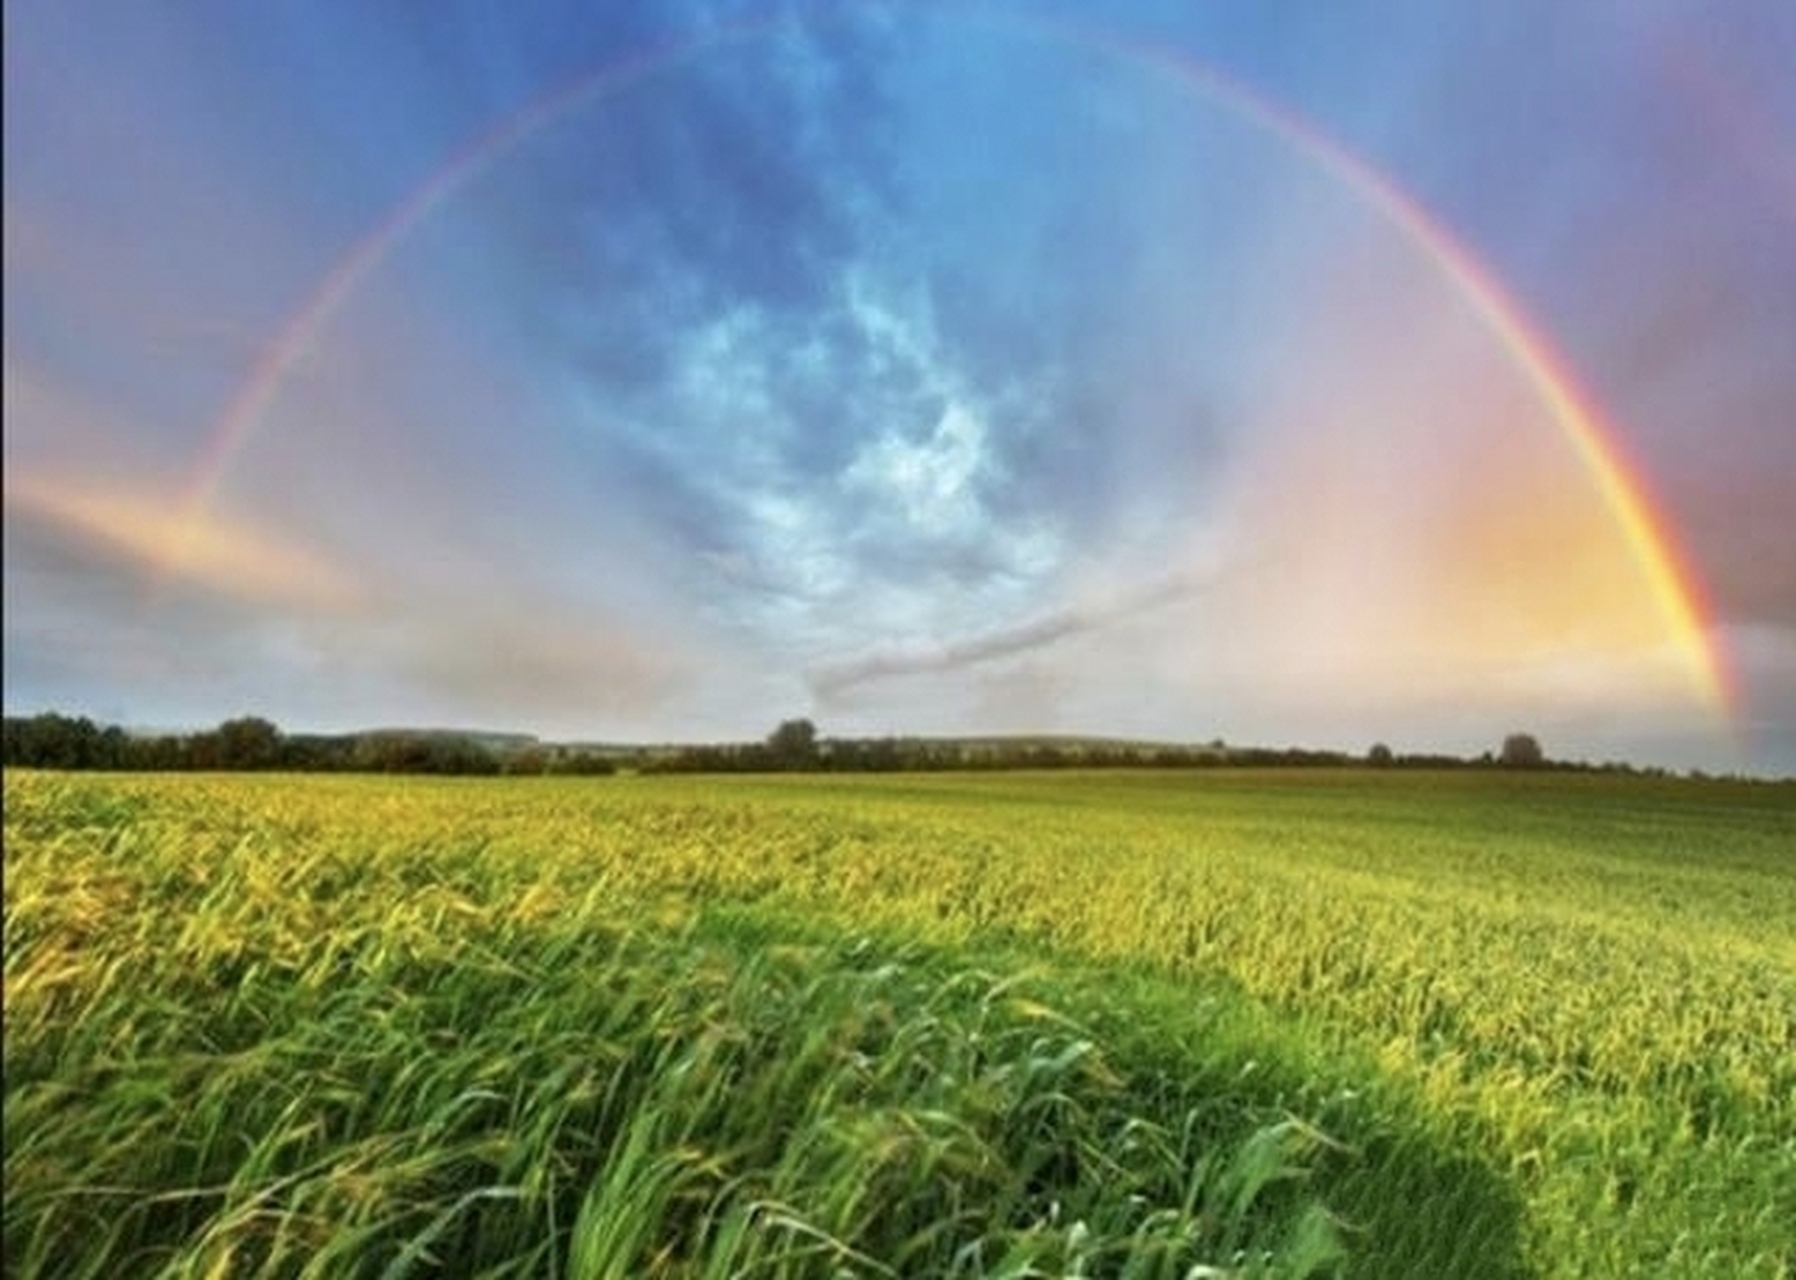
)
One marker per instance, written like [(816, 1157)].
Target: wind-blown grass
[(478, 1096), (1109, 1026)]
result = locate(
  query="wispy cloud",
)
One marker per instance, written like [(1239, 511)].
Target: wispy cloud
[(542, 667), (217, 553), (829, 683)]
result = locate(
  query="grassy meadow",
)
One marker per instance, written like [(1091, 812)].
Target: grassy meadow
[(1133, 1024)]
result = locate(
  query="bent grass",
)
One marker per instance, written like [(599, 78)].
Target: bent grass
[(1050, 1026)]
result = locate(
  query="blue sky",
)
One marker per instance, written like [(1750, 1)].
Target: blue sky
[(919, 368)]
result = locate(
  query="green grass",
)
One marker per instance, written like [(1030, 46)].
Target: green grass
[(1128, 1024)]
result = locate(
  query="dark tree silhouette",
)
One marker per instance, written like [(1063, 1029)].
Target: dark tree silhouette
[(794, 744), (1521, 751), (248, 742)]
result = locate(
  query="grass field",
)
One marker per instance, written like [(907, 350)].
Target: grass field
[(1124, 1024)]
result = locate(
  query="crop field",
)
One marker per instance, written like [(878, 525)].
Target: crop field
[(1195, 1024)]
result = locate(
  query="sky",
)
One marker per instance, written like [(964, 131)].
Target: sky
[(1304, 374)]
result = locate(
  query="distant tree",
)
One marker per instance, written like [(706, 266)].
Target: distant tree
[(794, 744), (157, 752), (113, 748), (589, 764), (526, 761), (1380, 756), (54, 741), (402, 752), (248, 742), (316, 753), (1521, 751)]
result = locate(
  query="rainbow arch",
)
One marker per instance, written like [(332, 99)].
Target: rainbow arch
[(1676, 588)]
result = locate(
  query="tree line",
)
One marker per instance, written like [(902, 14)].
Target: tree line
[(796, 746), (52, 740), (55, 741)]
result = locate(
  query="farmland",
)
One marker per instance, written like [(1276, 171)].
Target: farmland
[(1134, 1024)]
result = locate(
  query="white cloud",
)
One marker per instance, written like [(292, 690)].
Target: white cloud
[(931, 482)]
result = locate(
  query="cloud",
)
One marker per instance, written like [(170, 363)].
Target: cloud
[(929, 481), (831, 682), (835, 461), (203, 549), (545, 666), (833, 475), (733, 174), (111, 595), (839, 348)]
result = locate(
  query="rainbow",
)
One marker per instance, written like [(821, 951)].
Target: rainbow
[(1675, 586), (298, 334)]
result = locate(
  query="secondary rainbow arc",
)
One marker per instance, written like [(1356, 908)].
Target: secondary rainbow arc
[(1675, 587)]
